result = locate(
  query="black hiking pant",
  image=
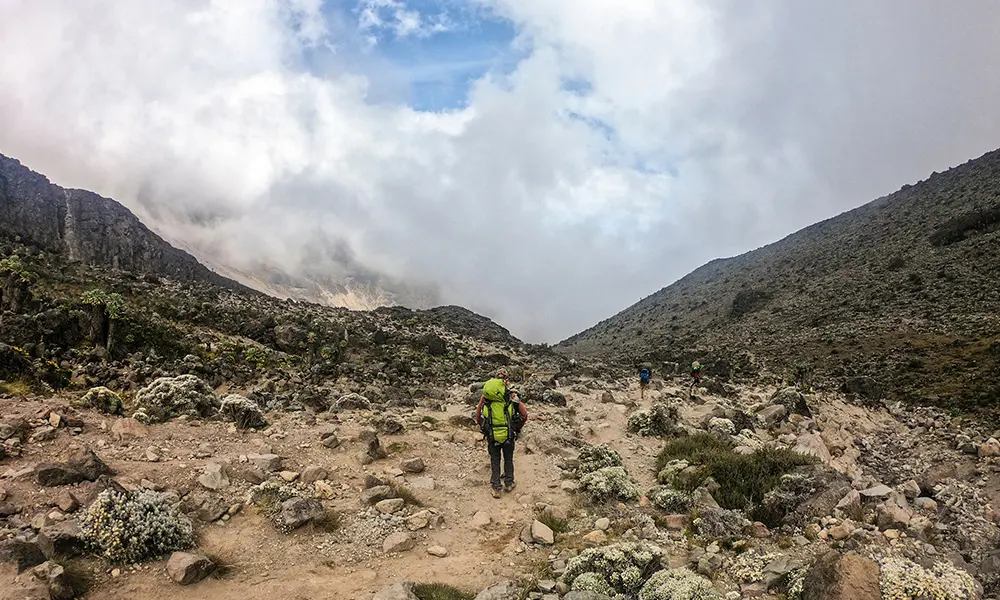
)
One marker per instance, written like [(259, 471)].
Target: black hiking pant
[(507, 450)]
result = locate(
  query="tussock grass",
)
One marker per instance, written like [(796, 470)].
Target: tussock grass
[(556, 524), (744, 479), (441, 591)]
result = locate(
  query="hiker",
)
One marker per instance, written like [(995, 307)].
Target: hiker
[(645, 376), (695, 373), (500, 416)]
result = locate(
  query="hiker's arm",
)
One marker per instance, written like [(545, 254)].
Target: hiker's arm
[(479, 410)]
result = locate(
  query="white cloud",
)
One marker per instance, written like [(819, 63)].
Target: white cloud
[(633, 142), (394, 16)]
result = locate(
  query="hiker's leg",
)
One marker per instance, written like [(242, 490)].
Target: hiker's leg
[(508, 462), (494, 464)]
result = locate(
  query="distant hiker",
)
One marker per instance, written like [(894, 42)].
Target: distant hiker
[(500, 416), (645, 375), (695, 373)]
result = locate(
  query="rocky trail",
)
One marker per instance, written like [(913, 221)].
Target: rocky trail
[(403, 496)]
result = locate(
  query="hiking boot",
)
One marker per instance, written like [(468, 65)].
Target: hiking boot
[(509, 487), (496, 492)]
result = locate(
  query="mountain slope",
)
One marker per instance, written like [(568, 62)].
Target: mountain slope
[(88, 228), (904, 288)]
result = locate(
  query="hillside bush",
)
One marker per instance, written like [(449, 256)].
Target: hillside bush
[(744, 479), (625, 566), (677, 584), (592, 458), (660, 420), (131, 527)]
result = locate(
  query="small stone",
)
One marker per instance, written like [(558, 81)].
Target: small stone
[(186, 568), (66, 501), (603, 524), (214, 477), (911, 489), (481, 519), (418, 521), (401, 590), (439, 551), (927, 504), (990, 448), (398, 542), (296, 512), (879, 491), (422, 483), (129, 429), (376, 494), (392, 505), (759, 530), (412, 465), (289, 476), (542, 534), (267, 462), (595, 538), (314, 473), (58, 581), (843, 530)]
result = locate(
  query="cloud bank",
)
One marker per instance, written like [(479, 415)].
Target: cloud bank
[(626, 143)]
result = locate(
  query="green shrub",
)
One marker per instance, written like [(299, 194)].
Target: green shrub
[(112, 302), (744, 479), (624, 566), (597, 457), (103, 400), (677, 584), (607, 484), (131, 527), (660, 420), (666, 498), (440, 591)]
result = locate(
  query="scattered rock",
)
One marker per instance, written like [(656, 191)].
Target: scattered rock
[(439, 551), (412, 465), (330, 440), (481, 519), (376, 494), (542, 534), (990, 448), (397, 591), (296, 512), (21, 553), (770, 416), (879, 491), (269, 463), (66, 501), (504, 590), (56, 474), (392, 505), (62, 539), (55, 577), (215, 477), (312, 474), (398, 542), (186, 568), (603, 524), (847, 577), (129, 429)]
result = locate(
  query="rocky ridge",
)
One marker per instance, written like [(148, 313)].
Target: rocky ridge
[(900, 289)]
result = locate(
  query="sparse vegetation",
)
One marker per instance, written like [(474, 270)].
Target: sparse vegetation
[(555, 523), (132, 527), (441, 591), (744, 479), (401, 491)]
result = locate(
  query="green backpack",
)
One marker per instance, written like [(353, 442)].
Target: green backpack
[(497, 411)]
